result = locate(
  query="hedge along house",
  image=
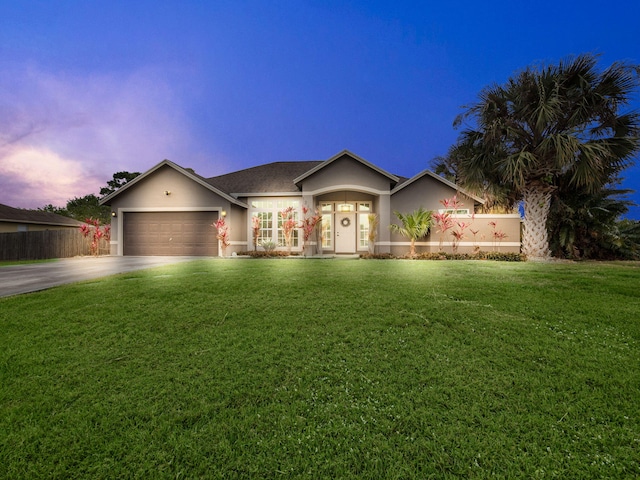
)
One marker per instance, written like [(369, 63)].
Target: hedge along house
[(169, 210)]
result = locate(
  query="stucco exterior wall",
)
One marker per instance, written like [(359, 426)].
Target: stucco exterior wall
[(150, 195), (427, 192), (484, 240), (345, 171)]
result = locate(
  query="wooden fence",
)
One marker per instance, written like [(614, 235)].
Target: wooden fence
[(46, 244)]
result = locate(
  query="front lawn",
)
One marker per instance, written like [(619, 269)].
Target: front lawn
[(314, 369)]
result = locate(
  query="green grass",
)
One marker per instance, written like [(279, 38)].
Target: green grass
[(326, 369), (9, 263)]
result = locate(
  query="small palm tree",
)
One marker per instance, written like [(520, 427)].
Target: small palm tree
[(415, 225)]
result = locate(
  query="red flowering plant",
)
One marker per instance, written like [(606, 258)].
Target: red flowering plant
[(222, 234), (458, 234), (498, 235), (309, 224), (288, 225), (445, 222), (476, 247), (92, 230)]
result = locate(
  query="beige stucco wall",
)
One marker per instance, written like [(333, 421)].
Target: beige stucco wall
[(346, 172), (427, 192), (185, 195), (348, 179), (483, 240)]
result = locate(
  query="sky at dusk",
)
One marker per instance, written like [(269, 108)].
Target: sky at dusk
[(90, 88)]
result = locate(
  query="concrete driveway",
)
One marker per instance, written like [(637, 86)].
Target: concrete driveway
[(32, 277)]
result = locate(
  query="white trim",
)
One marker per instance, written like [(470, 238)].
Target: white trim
[(495, 215), (338, 188), (253, 195), (449, 244), (168, 209)]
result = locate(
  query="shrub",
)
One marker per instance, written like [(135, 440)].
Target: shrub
[(497, 256)]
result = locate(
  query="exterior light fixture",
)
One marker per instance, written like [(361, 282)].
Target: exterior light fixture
[(223, 213), (167, 192), (345, 206), (114, 214)]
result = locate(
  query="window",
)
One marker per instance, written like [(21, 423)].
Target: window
[(460, 211), (363, 230), (294, 234), (268, 211), (266, 226), (262, 204), (327, 231)]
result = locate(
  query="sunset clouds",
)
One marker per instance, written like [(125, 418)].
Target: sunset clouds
[(64, 135), (88, 89)]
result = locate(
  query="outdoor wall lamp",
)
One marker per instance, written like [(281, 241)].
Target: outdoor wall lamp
[(114, 214), (167, 192), (223, 213)]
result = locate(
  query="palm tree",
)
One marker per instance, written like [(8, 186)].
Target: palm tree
[(546, 123), (415, 225)]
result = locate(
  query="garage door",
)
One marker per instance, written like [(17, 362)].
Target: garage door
[(170, 233)]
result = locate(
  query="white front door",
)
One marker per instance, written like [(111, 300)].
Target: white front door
[(345, 232)]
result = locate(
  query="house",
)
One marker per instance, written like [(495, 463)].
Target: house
[(169, 210), (21, 220)]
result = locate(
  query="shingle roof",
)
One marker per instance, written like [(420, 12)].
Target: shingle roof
[(269, 178), (19, 215)]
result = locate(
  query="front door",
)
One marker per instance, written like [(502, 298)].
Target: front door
[(345, 232)]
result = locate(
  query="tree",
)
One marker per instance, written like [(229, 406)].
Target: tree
[(82, 208), (585, 225), (544, 124), (120, 179), (415, 225), (53, 209)]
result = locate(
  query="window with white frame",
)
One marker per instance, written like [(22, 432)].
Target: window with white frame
[(363, 230), (451, 211), (364, 208), (327, 231), (271, 221)]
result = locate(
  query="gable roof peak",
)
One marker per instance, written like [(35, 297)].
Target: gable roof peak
[(187, 173), (440, 179), (339, 155)]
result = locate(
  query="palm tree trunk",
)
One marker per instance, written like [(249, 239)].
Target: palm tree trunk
[(535, 239)]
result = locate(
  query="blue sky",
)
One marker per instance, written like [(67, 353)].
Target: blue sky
[(91, 88)]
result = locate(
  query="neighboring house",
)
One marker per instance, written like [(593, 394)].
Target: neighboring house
[(169, 210), (20, 220)]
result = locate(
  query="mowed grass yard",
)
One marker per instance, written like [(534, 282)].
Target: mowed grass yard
[(292, 368)]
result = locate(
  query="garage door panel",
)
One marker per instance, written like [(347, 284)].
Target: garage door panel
[(170, 233)]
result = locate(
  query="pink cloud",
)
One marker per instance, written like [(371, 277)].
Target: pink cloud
[(63, 136)]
